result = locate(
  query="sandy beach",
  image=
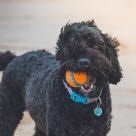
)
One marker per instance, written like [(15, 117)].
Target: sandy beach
[(35, 24)]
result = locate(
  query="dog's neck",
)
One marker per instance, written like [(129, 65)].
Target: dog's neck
[(80, 98)]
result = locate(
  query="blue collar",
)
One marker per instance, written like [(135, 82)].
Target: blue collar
[(78, 98)]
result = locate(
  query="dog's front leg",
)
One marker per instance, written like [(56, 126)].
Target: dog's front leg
[(92, 131), (38, 132)]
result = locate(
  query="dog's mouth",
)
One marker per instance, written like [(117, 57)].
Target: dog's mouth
[(89, 85)]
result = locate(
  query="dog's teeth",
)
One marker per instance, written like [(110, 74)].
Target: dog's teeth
[(91, 87), (82, 87), (88, 89)]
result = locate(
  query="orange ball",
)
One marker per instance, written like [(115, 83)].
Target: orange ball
[(76, 79)]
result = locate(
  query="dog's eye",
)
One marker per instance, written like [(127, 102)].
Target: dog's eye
[(96, 46)]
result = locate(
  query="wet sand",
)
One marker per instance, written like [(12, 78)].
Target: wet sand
[(35, 24)]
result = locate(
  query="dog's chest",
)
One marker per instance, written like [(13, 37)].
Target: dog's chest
[(51, 108)]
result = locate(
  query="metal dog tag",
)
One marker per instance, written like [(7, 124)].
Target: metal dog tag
[(98, 111)]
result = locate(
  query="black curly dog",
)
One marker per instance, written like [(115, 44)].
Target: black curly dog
[(34, 82)]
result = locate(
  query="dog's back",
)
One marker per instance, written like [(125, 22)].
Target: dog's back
[(19, 69), (20, 80)]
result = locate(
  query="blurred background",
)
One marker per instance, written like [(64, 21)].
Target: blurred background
[(27, 25)]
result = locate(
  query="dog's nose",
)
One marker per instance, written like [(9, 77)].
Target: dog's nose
[(84, 63)]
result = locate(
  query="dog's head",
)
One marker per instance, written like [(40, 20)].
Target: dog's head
[(82, 47)]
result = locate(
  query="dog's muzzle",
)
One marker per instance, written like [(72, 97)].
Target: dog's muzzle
[(84, 63)]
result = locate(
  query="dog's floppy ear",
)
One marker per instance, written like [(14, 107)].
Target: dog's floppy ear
[(112, 53), (62, 54)]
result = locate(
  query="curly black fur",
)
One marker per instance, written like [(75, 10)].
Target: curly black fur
[(5, 58), (34, 82)]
